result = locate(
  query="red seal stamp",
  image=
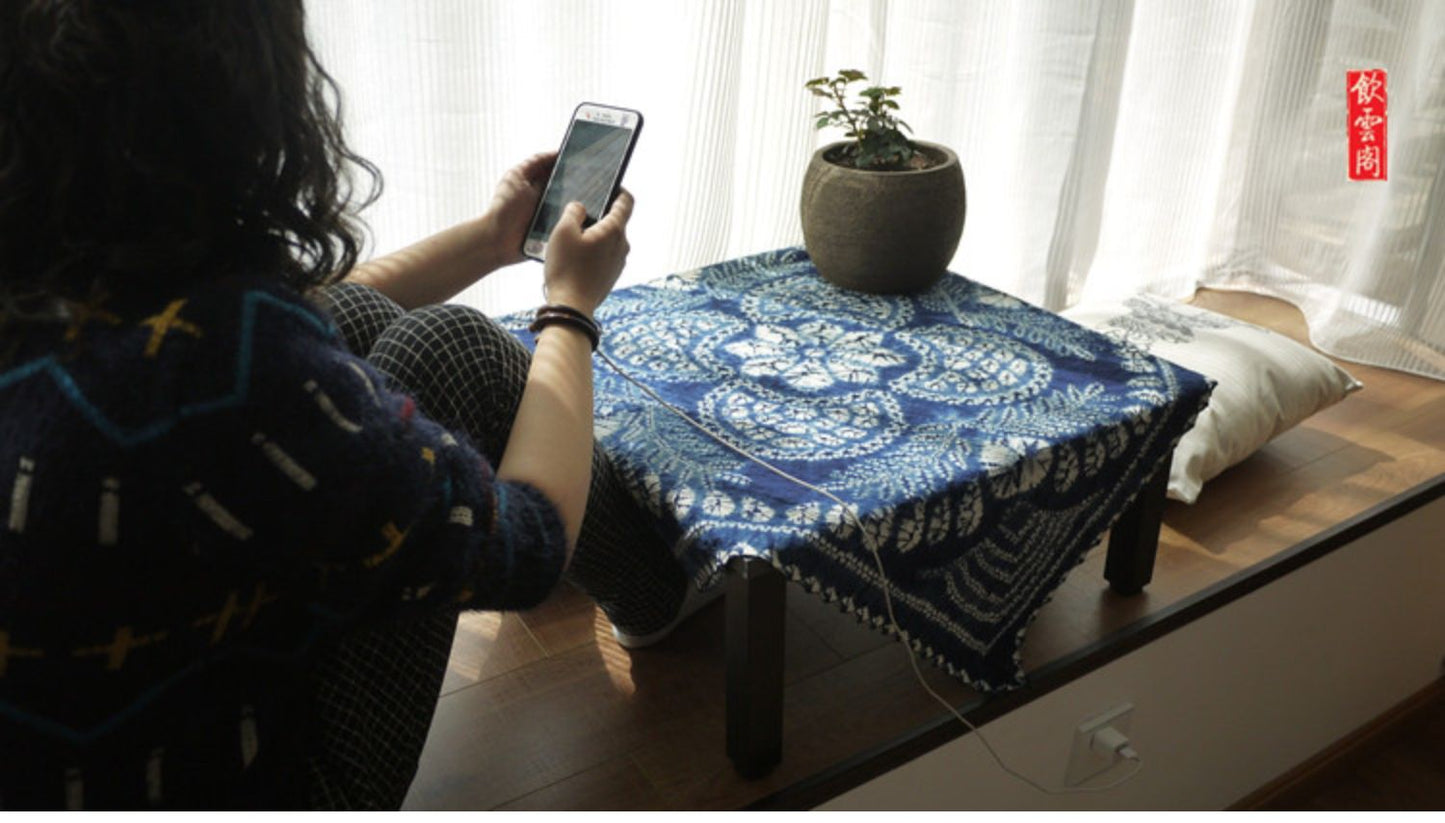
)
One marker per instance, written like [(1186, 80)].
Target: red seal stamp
[(1366, 102)]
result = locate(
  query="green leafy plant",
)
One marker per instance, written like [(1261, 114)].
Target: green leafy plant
[(872, 124)]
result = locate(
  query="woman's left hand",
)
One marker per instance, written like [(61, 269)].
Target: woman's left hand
[(515, 202), (436, 268)]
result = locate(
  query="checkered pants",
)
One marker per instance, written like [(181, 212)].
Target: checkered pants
[(378, 691)]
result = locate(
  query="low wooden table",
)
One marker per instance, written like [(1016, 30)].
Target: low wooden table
[(985, 444), (757, 601)]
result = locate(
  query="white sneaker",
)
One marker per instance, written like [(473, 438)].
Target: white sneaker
[(692, 601)]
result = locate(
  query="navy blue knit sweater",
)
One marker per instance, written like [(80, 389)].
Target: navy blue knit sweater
[(199, 494)]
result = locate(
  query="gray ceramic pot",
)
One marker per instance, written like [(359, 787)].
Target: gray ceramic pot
[(886, 232)]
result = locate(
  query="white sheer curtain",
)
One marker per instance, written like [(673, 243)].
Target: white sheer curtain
[(1109, 146)]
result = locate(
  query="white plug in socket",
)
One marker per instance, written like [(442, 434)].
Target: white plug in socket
[(1086, 759)]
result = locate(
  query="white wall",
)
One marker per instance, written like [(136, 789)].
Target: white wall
[(1227, 703)]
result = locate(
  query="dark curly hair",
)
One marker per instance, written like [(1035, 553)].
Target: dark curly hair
[(142, 141)]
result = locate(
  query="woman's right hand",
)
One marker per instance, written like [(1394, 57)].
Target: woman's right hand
[(583, 264)]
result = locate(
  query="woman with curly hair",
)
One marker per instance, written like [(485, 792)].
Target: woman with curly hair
[(245, 484)]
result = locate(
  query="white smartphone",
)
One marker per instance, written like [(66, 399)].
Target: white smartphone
[(589, 169)]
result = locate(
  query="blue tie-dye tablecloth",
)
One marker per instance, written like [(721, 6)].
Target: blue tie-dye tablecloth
[(985, 443)]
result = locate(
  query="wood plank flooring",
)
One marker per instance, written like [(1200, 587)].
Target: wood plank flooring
[(1394, 763), (1404, 771), (543, 710)]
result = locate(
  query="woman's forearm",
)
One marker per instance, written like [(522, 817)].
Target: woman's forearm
[(435, 269), (551, 442)]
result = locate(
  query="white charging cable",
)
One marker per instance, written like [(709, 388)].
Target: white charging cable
[(1123, 749)]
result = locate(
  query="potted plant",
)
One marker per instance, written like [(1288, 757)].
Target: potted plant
[(881, 213)]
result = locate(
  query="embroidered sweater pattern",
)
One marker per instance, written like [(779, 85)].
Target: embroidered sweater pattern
[(199, 494)]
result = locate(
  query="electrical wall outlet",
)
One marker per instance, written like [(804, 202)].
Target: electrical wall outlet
[(1084, 762)]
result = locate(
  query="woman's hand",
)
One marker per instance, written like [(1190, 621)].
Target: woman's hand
[(513, 205), (583, 264), (435, 269)]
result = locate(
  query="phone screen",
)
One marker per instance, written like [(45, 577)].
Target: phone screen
[(586, 171)]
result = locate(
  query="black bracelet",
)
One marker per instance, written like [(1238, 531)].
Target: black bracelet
[(546, 316), (559, 307)]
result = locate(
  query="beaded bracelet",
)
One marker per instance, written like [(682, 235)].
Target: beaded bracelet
[(567, 316)]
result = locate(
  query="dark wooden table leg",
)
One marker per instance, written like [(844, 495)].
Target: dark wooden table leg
[(756, 596), (1133, 541)]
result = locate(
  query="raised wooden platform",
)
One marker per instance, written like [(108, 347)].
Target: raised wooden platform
[(543, 710)]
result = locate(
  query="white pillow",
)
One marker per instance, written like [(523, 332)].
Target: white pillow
[(1268, 383)]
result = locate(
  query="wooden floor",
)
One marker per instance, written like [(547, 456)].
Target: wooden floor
[(1404, 772), (543, 710), (1399, 768)]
